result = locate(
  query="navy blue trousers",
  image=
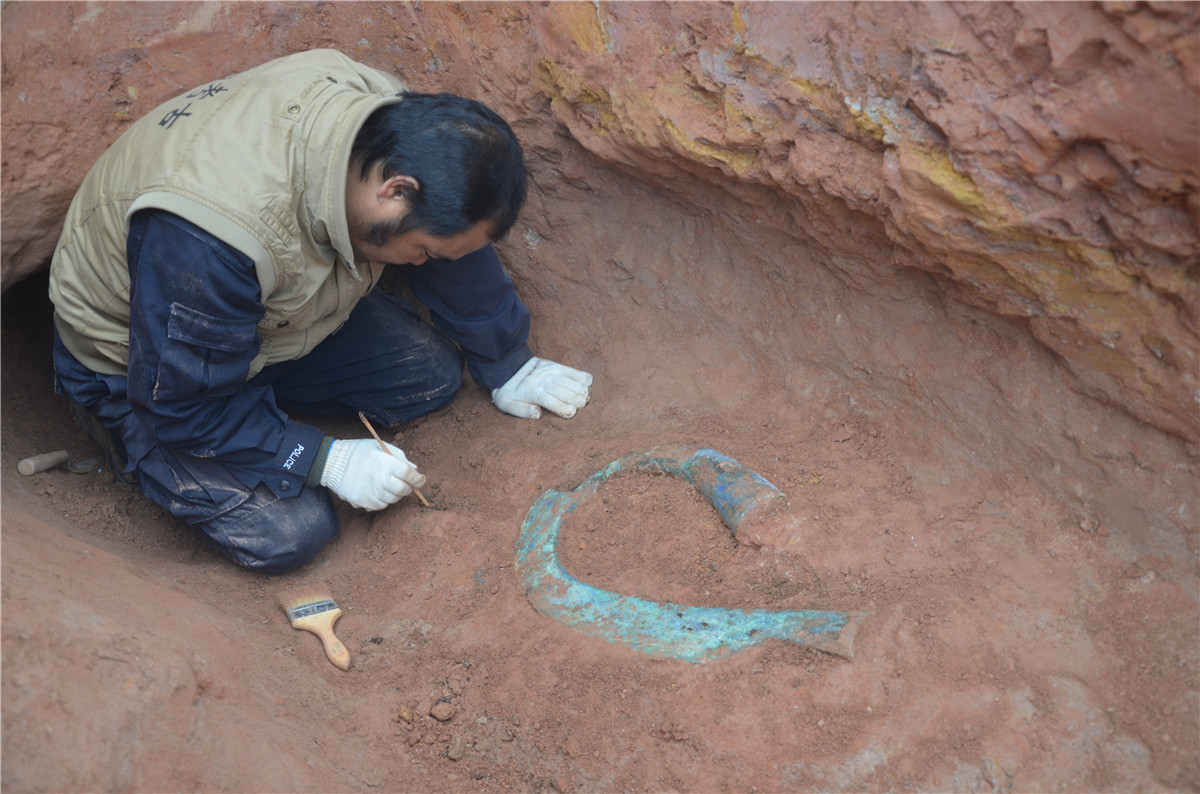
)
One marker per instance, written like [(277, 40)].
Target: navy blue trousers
[(385, 361)]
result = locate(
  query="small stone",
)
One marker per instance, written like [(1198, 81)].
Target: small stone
[(405, 715), (442, 711), (456, 749), (425, 707), (413, 738)]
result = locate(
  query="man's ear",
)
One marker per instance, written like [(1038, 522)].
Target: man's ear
[(399, 186)]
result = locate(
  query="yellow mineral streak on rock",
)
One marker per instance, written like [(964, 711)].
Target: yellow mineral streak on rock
[(707, 152), (563, 85), (583, 23), (938, 169)]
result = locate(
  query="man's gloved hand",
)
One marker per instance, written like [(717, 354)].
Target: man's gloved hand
[(543, 383), (364, 475)]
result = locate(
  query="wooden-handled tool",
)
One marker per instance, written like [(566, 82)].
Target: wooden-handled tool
[(47, 460), (314, 610), (383, 446)]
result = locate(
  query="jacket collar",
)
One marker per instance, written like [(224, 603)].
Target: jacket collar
[(329, 168)]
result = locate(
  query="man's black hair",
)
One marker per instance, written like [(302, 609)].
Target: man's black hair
[(466, 159)]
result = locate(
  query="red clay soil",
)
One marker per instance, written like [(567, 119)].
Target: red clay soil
[(1027, 559)]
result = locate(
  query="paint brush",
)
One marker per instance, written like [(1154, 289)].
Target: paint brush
[(383, 446), (312, 608)]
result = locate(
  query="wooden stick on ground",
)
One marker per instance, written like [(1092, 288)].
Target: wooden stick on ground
[(383, 446)]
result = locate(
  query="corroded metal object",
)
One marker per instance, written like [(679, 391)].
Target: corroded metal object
[(665, 630)]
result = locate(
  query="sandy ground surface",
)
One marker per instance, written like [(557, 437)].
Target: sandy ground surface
[(1026, 560)]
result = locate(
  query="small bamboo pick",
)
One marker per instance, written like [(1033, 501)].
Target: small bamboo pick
[(383, 446)]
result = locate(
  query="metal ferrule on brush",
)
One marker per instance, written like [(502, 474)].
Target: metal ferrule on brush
[(311, 609)]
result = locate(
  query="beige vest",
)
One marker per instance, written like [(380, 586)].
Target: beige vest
[(259, 160)]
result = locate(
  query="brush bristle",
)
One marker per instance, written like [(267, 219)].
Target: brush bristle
[(303, 600)]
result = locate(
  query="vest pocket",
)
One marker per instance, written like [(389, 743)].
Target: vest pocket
[(204, 355)]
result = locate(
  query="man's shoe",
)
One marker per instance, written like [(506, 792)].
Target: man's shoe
[(90, 424)]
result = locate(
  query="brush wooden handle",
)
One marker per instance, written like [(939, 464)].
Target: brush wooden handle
[(321, 624)]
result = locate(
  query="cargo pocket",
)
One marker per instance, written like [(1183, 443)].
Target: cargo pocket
[(204, 356)]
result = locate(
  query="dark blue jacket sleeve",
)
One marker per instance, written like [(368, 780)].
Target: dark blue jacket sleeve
[(194, 310), (475, 303)]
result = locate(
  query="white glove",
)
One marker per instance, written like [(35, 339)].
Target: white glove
[(540, 382), (365, 476)]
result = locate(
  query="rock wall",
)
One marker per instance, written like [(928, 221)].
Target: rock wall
[(1038, 160)]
